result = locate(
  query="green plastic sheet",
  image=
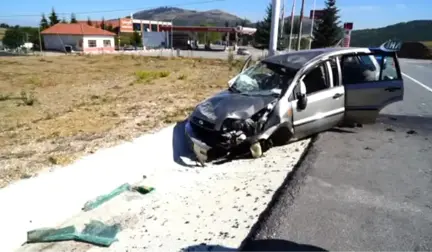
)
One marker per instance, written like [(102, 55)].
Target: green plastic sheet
[(89, 205), (95, 232)]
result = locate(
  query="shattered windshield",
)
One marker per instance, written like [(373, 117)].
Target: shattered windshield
[(261, 79)]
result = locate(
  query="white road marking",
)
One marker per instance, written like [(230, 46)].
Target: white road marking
[(417, 82)]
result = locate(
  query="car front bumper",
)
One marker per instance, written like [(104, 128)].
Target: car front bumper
[(200, 148), (207, 146)]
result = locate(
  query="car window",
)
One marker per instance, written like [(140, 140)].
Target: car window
[(261, 78), (316, 80), (358, 69), (389, 69), (367, 61), (335, 72)]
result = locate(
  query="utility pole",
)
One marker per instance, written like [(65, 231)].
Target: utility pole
[(312, 25), (274, 27), (282, 19), (300, 25), (40, 40), (292, 25)]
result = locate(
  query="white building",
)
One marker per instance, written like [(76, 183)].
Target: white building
[(81, 37)]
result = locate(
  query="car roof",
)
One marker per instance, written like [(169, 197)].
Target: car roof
[(297, 59)]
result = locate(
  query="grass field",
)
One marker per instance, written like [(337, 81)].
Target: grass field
[(55, 109), (427, 43)]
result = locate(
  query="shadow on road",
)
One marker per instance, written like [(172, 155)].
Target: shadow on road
[(342, 131), (181, 148), (259, 245)]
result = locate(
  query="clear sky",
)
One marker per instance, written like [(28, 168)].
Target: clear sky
[(364, 13)]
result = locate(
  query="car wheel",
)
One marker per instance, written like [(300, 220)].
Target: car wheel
[(281, 136)]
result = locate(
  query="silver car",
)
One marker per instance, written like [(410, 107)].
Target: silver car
[(293, 95)]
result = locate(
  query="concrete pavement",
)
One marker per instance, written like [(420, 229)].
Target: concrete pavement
[(191, 205), (366, 188)]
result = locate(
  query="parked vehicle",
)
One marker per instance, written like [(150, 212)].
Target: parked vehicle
[(293, 95), (243, 51)]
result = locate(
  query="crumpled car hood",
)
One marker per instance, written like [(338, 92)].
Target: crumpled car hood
[(226, 104)]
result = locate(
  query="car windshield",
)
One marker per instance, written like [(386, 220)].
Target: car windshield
[(262, 79)]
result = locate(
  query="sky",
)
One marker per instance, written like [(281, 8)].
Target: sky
[(364, 13)]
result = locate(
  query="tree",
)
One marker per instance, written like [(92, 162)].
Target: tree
[(14, 38), (4, 25), (89, 22), (327, 31), (136, 39), (73, 19), (43, 23), (64, 21), (102, 24), (53, 18), (110, 28), (262, 34)]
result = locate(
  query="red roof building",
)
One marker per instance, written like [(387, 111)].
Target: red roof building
[(79, 36)]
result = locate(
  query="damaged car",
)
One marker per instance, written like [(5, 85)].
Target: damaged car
[(293, 95)]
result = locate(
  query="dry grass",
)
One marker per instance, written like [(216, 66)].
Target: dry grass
[(56, 109)]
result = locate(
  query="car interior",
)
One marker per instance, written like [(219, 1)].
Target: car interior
[(315, 80)]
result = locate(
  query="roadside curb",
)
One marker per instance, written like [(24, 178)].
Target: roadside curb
[(267, 211)]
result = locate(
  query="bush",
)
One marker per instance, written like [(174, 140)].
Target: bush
[(150, 75)]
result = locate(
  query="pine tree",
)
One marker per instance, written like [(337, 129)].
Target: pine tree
[(327, 31), (73, 19), (53, 18), (89, 22), (64, 21), (136, 39), (102, 24), (43, 23), (262, 35)]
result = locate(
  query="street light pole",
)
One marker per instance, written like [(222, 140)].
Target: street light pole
[(274, 27), (312, 25), (292, 25), (300, 26), (172, 32)]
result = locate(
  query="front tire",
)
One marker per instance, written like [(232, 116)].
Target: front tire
[(281, 136)]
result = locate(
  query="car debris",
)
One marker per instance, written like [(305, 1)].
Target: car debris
[(92, 204), (293, 95), (95, 232)]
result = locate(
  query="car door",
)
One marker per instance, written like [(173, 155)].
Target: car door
[(366, 97), (325, 105)]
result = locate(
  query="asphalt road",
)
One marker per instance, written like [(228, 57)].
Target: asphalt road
[(366, 188)]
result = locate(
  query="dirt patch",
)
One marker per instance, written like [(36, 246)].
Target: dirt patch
[(55, 109), (416, 50)]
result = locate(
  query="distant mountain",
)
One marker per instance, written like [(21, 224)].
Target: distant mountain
[(417, 30), (191, 17)]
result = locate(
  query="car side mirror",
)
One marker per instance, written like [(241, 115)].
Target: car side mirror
[(301, 96)]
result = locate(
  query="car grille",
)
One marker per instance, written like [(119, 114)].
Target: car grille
[(209, 136)]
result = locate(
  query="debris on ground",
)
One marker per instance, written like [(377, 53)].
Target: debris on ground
[(411, 132), (96, 233), (390, 130), (92, 204)]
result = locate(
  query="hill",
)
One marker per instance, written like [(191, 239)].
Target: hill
[(191, 17), (417, 30)]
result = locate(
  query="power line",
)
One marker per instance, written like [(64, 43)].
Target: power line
[(116, 10)]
